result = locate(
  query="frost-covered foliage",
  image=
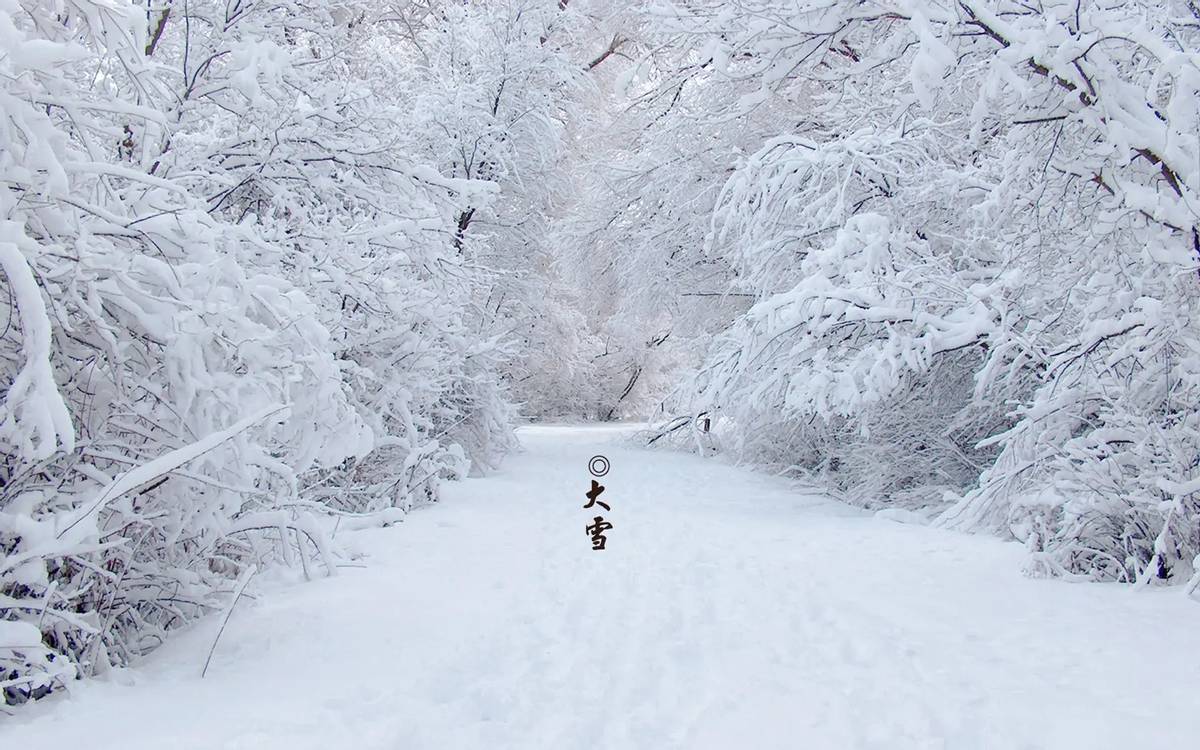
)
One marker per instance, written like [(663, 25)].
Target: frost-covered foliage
[(647, 173), (973, 255), (492, 92), (235, 300)]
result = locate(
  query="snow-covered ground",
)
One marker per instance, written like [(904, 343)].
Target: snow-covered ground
[(730, 610)]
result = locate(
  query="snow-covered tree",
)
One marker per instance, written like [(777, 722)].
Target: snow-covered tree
[(236, 306), (492, 87), (973, 255)]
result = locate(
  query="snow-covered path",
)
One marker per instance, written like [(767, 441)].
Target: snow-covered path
[(729, 611)]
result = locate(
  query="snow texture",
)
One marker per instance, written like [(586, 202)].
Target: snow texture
[(729, 610), (274, 273)]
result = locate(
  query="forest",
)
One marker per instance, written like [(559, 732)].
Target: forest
[(276, 271)]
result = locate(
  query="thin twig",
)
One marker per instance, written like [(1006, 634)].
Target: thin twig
[(247, 574)]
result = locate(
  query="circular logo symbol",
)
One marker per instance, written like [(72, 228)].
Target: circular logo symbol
[(598, 466)]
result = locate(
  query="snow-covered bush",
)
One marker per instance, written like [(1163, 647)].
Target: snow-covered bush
[(974, 261), (139, 358), (236, 302)]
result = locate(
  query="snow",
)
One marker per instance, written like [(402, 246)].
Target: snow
[(165, 464), (33, 417), (730, 609)]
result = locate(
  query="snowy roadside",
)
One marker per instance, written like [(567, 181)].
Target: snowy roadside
[(726, 611)]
